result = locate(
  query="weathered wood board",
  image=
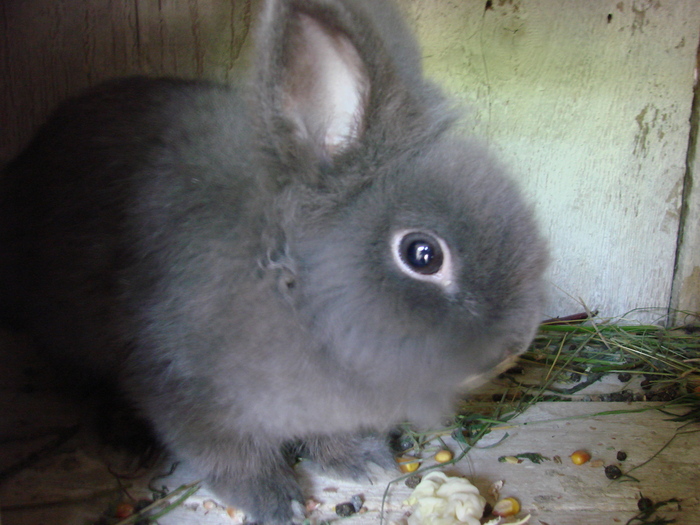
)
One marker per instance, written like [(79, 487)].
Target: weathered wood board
[(72, 484), (686, 295), (589, 103)]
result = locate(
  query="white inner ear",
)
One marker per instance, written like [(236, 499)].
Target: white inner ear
[(326, 86)]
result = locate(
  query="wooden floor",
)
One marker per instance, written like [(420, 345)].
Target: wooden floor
[(57, 473)]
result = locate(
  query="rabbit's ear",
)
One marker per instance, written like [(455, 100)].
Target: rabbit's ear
[(314, 83), (325, 85)]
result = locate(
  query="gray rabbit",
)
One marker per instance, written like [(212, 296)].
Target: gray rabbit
[(298, 263)]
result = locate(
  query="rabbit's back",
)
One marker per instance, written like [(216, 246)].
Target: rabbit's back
[(142, 253), (106, 185)]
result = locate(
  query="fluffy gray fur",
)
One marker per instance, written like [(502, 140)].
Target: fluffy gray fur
[(224, 253)]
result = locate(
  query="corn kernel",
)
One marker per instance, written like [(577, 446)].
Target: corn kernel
[(512, 459), (408, 464), (123, 510), (580, 457), (443, 456), (506, 507)]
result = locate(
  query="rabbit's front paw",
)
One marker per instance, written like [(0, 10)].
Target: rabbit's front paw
[(270, 498), (348, 456)]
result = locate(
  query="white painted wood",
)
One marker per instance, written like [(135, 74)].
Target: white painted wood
[(555, 493), (588, 103)]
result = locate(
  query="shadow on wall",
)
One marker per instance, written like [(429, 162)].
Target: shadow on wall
[(53, 50)]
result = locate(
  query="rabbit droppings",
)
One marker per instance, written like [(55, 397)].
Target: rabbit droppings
[(301, 262)]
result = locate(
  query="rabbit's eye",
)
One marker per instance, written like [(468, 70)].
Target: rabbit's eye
[(425, 257), (421, 252)]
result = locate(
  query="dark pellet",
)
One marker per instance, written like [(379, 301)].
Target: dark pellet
[(345, 509), (644, 504), (624, 377), (613, 472), (412, 481)]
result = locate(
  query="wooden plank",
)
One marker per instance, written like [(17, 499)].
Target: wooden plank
[(553, 493), (564, 493), (50, 50), (81, 469), (195, 39)]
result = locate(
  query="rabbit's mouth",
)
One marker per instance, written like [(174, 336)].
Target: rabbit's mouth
[(475, 381)]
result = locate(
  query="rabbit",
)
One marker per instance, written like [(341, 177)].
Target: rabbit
[(294, 264)]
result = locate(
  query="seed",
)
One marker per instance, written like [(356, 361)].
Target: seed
[(345, 509), (510, 459), (506, 507), (404, 443), (123, 510), (443, 456), (412, 481), (580, 457), (613, 472), (621, 456), (644, 503), (408, 464), (311, 505)]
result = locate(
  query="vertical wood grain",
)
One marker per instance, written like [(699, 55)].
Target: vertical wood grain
[(52, 49)]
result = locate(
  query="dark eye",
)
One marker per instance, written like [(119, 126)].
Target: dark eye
[(421, 252), (424, 257)]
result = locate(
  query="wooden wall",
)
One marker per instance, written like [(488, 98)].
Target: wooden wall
[(589, 103), (50, 49)]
